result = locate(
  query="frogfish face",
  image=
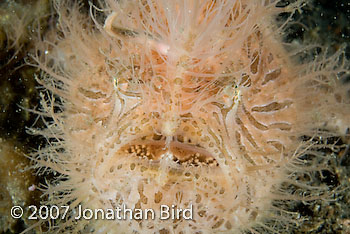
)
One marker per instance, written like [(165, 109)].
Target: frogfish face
[(177, 103)]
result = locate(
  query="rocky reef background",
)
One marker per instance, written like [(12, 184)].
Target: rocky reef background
[(319, 21)]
